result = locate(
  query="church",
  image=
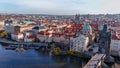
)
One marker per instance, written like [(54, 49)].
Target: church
[(83, 39)]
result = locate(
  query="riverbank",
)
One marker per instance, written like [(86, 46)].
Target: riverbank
[(9, 42), (58, 52)]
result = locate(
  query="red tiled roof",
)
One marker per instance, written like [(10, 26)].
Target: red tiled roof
[(18, 33), (70, 34), (44, 33), (57, 33), (94, 26), (74, 28)]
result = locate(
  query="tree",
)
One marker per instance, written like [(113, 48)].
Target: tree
[(57, 51), (72, 52), (36, 40), (3, 34)]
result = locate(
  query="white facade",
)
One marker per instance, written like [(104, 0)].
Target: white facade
[(79, 44), (46, 38), (17, 37), (41, 37), (115, 47), (56, 38), (29, 39), (51, 38), (29, 36), (61, 38)]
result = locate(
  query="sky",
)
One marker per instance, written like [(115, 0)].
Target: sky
[(60, 7)]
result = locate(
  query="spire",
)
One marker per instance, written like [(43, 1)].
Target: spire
[(77, 18)]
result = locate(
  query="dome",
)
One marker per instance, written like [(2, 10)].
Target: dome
[(87, 27)]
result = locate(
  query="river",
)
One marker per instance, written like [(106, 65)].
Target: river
[(35, 59)]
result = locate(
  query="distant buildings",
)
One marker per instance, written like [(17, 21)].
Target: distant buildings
[(39, 28), (77, 18), (21, 22), (8, 22)]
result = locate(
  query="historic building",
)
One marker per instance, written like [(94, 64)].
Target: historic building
[(80, 43), (115, 43)]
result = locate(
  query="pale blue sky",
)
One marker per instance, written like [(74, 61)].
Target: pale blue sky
[(60, 6)]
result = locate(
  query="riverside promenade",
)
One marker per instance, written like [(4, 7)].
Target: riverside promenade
[(9, 42)]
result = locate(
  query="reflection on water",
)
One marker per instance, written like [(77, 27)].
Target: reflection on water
[(34, 59)]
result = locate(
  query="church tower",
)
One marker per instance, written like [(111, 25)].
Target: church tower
[(77, 18)]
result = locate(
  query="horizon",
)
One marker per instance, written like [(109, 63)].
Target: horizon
[(60, 7), (56, 14)]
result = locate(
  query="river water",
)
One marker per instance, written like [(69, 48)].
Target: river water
[(34, 59)]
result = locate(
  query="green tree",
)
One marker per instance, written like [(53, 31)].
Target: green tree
[(3, 34), (36, 40), (57, 51), (72, 52)]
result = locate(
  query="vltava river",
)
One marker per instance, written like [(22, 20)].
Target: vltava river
[(34, 59)]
